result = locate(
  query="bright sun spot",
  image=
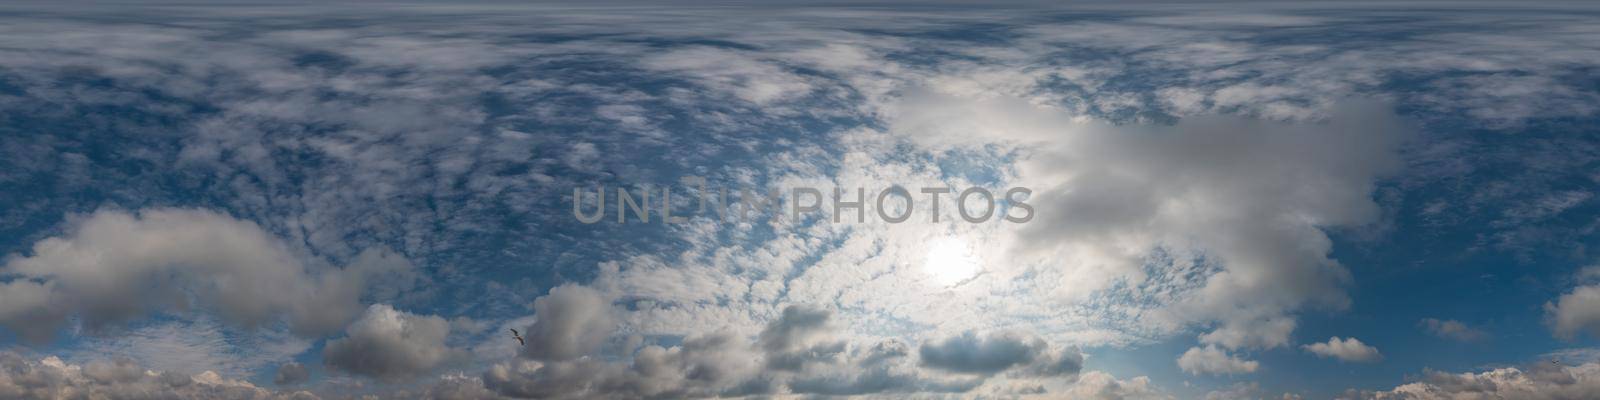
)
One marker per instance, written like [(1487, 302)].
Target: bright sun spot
[(950, 262)]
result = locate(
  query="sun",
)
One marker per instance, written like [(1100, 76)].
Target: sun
[(950, 262)]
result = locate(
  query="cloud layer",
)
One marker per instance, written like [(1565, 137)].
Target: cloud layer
[(51, 378)]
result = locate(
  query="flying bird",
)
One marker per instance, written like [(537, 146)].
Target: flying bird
[(518, 336)]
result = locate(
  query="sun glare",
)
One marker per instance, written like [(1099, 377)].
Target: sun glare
[(950, 262)]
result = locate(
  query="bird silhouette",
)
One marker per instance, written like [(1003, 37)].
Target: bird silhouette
[(519, 337)]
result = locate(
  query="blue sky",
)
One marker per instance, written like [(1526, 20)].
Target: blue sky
[(1230, 200)]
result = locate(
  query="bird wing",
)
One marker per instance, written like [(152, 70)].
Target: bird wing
[(514, 333), (519, 341)]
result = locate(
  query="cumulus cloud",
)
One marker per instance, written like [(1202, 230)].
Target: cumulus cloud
[(1541, 381), (390, 344), (1350, 350), (573, 321), (1227, 190), (701, 366), (51, 378), (799, 352), (1451, 329), (1263, 333), (969, 353), (1096, 385), (1577, 311), (799, 336), (1212, 360), (113, 266)]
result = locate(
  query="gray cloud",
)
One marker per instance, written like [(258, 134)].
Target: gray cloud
[(798, 337), (390, 344), (1577, 311), (702, 366), (395, 113), (51, 378), (968, 353), (1229, 191), (1451, 329), (799, 352), (573, 321), (114, 266), (291, 374)]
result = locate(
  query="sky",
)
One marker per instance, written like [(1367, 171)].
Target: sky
[(1190, 200)]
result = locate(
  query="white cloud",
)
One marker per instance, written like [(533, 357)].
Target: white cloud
[(1212, 360), (573, 321), (394, 117), (192, 344), (1264, 333), (1096, 385), (1543, 381), (739, 74), (800, 352), (1238, 391), (1231, 191), (51, 378), (1350, 349), (390, 344), (114, 266), (1577, 311)]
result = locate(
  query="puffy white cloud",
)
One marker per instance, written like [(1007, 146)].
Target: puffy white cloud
[(1212, 360), (1096, 385), (1542, 381), (1451, 329), (390, 344), (51, 378), (114, 266), (1263, 333), (1577, 311), (1349, 349), (573, 321)]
